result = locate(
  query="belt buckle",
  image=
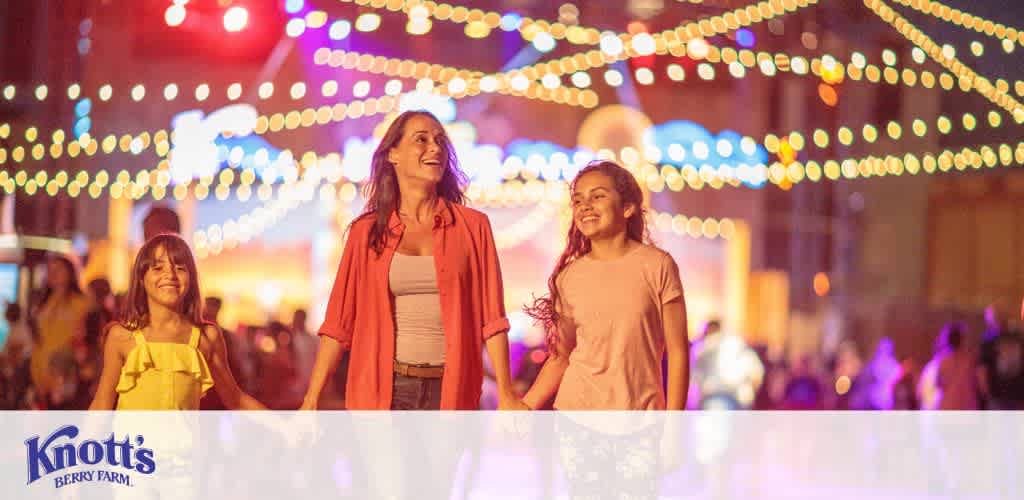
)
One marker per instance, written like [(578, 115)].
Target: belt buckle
[(405, 369)]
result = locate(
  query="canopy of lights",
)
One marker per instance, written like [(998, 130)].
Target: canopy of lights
[(190, 157)]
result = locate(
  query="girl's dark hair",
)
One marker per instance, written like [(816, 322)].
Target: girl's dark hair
[(135, 311), (544, 309), (382, 192)]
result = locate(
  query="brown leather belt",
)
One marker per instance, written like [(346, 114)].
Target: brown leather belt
[(419, 371)]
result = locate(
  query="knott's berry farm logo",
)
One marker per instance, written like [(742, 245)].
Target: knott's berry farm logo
[(60, 452)]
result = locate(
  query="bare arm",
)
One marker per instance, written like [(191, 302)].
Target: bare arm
[(327, 358), (548, 380), (550, 377), (113, 360), (677, 346), (223, 380), (497, 351)]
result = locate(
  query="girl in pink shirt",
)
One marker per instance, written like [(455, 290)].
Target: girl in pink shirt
[(615, 306)]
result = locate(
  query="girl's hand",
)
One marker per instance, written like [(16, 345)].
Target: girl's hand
[(512, 404)]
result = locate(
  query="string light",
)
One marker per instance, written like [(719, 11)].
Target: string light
[(693, 227), (528, 226), (965, 19), (472, 81), (968, 77)]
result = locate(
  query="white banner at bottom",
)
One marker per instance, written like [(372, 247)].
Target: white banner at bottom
[(496, 455)]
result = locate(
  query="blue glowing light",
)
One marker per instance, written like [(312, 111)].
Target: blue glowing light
[(293, 6), (511, 21), (83, 107), (745, 38), (340, 29)]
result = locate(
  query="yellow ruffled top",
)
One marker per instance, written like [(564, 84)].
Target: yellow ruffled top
[(163, 375)]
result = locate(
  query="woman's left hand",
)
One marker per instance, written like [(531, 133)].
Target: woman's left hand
[(511, 402)]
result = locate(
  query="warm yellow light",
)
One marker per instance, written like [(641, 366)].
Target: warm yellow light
[(870, 133), (977, 48), (944, 124), (845, 136), (994, 119), (969, 122), (234, 91)]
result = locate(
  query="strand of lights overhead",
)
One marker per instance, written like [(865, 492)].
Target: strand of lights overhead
[(768, 63), (322, 115), (417, 69), (480, 23), (827, 68), (561, 166), (693, 227), (714, 53), (529, 28), (987, 156), (234, 90), (949, 61), (161, 139), (616, 48), (967, 20), (527, 226), (156, 183), (550, 195), (456, 82), (290, 120), (675, 178), (515, 193), (785, 175), (511, 168), (229, 234)]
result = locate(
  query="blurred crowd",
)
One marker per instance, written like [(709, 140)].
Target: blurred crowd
[(53, 354)]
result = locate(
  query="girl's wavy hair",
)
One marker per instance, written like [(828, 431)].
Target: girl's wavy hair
[(135, 312), (382, 192), (544, 309)]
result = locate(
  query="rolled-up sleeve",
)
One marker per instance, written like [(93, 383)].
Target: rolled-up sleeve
[(339, 322), (493, 299)]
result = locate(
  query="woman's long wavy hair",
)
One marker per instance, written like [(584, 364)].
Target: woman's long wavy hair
[(135, 313), (382, 192), (544, 310)]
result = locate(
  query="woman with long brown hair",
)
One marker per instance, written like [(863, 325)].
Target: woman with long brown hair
[(615, 306), (418, 294)]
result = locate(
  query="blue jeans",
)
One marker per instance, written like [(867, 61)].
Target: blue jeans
[(413, 393)]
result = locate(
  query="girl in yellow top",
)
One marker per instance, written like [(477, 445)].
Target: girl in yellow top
[(160, 355)]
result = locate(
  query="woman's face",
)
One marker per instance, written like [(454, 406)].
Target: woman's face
[(165, 282), (57, 275), (420, 155), (597, 207)]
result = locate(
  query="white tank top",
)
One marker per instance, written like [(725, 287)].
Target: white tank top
[(419, 331)]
